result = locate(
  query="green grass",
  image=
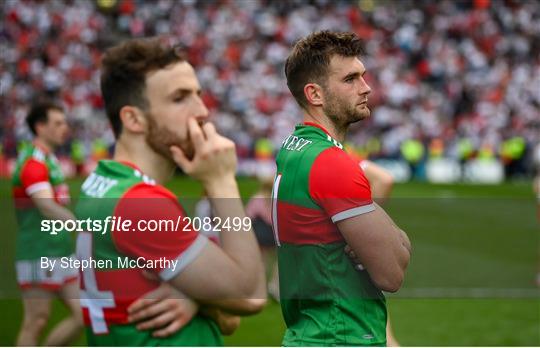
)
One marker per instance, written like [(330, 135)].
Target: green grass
[(470, 281)]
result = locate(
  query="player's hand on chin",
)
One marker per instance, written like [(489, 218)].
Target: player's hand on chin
[(164, 310), (214, 158)]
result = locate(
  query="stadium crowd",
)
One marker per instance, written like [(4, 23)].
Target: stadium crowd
[(460, 77)]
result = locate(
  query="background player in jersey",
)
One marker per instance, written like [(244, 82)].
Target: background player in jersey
[(322, 201), (152, 99), (40, 193)]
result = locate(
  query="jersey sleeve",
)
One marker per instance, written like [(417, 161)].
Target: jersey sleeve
[(338, 185), (34, 177), (363, 164), (147, 206)]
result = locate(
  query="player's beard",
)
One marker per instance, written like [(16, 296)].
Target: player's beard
[(341, 112), (160, 139)]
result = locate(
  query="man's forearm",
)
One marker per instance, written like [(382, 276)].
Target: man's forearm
[(404, 250), (56, 211), (49, 208)]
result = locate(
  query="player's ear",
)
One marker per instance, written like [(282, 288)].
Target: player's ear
[(313, 93), (133, 119)]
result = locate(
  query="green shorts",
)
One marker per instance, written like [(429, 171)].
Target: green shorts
[(199, 331)]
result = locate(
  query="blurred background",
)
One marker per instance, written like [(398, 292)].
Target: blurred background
[(455, 105), (456, 84)]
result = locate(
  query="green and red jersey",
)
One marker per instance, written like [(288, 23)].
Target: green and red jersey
[(325, 300), (120, 190), (37, 169)]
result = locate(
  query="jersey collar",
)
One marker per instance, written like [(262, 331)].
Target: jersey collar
[(313, 124), (138, 172), (41, 148), (129, 164), (328, 136)]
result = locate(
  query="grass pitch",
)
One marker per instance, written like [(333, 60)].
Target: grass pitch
[(470, 281)]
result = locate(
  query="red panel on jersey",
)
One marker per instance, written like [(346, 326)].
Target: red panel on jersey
[(301, 225), (33, 172), (336, 182), (145, 202), (127, 285)]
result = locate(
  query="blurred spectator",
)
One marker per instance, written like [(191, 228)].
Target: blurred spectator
[(462, 72)]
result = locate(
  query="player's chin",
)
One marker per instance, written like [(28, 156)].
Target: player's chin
[(187, 148), (189, 152), (362, 113), (60, 142), (164, 148)]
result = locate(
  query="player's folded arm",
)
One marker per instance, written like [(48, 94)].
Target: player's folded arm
[(213, 278), (340, 188), (204, 272), (377, 247)]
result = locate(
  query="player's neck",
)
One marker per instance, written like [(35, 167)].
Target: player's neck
[(43, 145), (322, 120), (147, 160)]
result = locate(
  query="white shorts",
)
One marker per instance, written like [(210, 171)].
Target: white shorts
[(31, 274)]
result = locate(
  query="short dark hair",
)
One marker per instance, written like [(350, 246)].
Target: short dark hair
[(310, 59), (39, 112), (124, 70)]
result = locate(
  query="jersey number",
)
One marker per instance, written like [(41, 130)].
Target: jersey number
[(91, 298)]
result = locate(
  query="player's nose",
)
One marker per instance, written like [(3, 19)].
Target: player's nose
[(364, 88), (200, 111)]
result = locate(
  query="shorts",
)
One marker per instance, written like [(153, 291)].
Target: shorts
[(31, 274), (199, 332)]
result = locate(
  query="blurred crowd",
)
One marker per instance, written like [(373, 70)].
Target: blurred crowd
[(461, 79)]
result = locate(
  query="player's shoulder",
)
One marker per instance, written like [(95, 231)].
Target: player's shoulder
[(32, 155), (149, 190), (33, 166), (334, 158), (147, 200), (333, 165), (38, 155)]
